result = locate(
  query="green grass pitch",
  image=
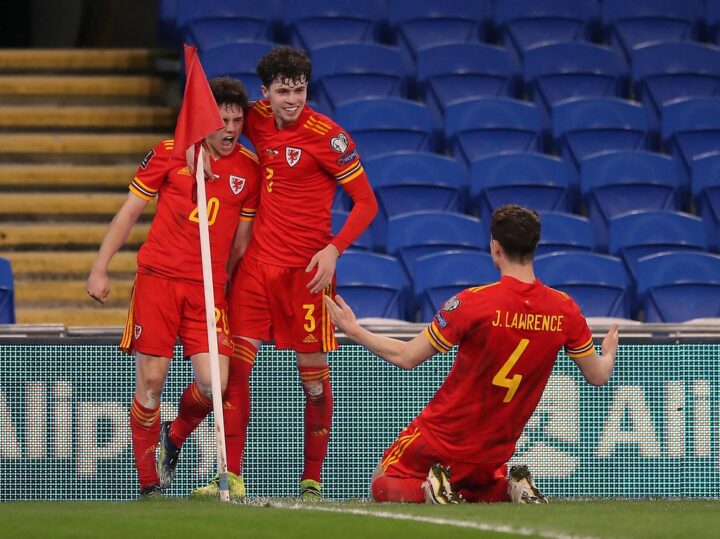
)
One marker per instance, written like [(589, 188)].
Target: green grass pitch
[(287, 519)]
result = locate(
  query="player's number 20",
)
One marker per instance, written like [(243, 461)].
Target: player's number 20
[(502, 379), (213, 206)]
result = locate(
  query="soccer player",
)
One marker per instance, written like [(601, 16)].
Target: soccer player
[(508, 335), (168, 299), (289, 265)]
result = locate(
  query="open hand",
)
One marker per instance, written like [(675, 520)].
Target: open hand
[(325, 260), (340, 313)]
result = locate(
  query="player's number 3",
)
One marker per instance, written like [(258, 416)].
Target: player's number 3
[(501, 377)]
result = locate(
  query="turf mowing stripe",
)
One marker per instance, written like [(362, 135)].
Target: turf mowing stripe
[(430, 520)]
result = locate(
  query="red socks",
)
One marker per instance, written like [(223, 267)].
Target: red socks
[(396, 489), (194, 407), (145, 428), (318, 418), (236, 407)]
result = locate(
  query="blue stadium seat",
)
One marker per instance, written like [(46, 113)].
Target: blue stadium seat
[(524, 23), (417, 24), (363, 243), (415, 234), (237, 60), (712, 20), (559, 71), (321, 22), (374, 285), (384, 125), (350, 71), (585, 126), (640, 233), (662, 72), (541, 182), (7, 293), (706, 193), (619, 182), (449, 72), (564, 232), (691, 128), (478, 127), (167, 27), (629, 24), (439, 276), (676, 287), (207, 24), (599, 284)]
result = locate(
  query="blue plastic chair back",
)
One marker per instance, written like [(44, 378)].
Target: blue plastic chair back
[(712, 20), (478, 127), (619, 182), (675, 287), (706, 193), (588, 125), (415, 234), (640, 233), (7, 293), (384, 125), (349, 71), (250, 17), (599, 284), (564, 232), (374, 285), (237, 60), (439, 276), (559, 71)]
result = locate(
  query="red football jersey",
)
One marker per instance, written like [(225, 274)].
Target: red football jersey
[(509, 334), (172, 248), (301, 167)]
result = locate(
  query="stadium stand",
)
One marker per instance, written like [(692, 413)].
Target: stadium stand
[(630, 24), (7, 293), (598, 283), (712, 20), (477, 127), (417, 24), (439, 276), (236, 60), (374, 284), (564, 232), (706, 194), (585, 126), (619, 182), (676, 287), (525, 23)]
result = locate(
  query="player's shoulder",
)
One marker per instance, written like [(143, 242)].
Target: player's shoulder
[(261, 109), (321, 125), (471, 296), (560, 298), (162, 151), (245, 154), (482, 291)]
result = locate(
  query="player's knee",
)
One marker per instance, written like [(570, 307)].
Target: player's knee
[(313, 389), (205, 388)]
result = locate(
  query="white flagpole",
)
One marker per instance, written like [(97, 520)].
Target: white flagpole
[(211, 330)]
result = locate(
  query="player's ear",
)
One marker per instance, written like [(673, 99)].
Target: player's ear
[(264, 91)]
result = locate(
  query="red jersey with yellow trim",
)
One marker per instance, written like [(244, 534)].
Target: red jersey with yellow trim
[(172, 248), (301, 167), (509, 334)]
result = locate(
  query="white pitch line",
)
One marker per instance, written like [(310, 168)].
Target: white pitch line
[(429, 520)]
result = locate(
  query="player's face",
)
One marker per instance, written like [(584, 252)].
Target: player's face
[(222, 141), (287, 99)]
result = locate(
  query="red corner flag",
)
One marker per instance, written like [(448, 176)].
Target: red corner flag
[(199, 115)]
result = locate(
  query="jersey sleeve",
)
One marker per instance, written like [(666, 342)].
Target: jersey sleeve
[(451, 323), (152, 171), (336, 151), (579, 342), (252, 199)]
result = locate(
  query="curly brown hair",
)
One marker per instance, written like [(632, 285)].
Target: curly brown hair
[(227, 90), (517, 229), (284, 65)]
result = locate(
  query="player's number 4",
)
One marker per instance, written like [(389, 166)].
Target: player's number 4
[(501, 377)]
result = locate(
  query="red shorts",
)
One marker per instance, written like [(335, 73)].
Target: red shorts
[(273, 303), (162, 309), (410, 456)]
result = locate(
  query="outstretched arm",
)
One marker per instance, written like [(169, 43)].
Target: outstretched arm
[(98, 284), (597, 370), (404, 354)]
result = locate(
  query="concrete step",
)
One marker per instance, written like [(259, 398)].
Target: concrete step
[(108, 117), (59, 236), (117, 177), (77, 60), (66, 292), (66, 264), (81, 85), (53, 205), (93, 314)]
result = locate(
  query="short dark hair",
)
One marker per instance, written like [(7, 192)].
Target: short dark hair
[(229, 91), (517, 229), (284, 65)]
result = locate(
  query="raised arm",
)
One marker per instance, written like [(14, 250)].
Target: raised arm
[(597, 370), (404, 354)]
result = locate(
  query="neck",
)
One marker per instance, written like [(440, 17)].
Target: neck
[(522, 272)]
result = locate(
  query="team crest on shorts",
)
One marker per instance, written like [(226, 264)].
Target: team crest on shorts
[(292, 155), (451, 304), (237, 184), (137, 330)]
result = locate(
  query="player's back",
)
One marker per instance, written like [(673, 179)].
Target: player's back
[(509, 334)]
